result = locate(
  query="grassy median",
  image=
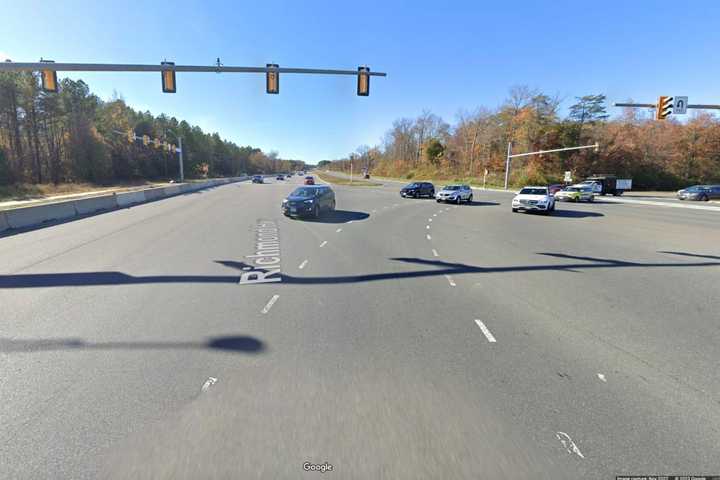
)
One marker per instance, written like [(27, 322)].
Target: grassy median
[(326, 177)]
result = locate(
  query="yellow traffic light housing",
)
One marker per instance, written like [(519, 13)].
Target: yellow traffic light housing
[(157, 144), (272, 80), (49, 81), (664, 107), (146, 140), (363, 81), (168, 79), (130, 136)]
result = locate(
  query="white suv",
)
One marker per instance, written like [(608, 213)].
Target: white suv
[(454, 193), (534, 198)]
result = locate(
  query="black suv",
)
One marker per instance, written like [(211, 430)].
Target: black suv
[(418, 189), (258, 179), (309, 200)]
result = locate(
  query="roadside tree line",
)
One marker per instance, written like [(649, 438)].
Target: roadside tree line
[(663, 155), (71, 137)]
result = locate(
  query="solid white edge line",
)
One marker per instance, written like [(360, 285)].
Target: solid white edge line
[(568, 443), (427, 226), (450, 280), (323, 244), (428, 237), (435, 254), (602, 377), (485, 331), (302, 265), (338, 230), (270, 303)]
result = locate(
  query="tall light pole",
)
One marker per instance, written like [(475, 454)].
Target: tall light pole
[(180, 154)]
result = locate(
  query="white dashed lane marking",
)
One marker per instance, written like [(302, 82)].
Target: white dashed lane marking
[(338, 230), (270, 303), (569, 444), (435, 254), (427, 226), (302, 265), (485, 331), (602, 377), (434, 214), (428, 237), (208, 383), (450, 280), (429, 219), (323, 244)]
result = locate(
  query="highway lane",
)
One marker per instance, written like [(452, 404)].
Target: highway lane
[(369, 358)]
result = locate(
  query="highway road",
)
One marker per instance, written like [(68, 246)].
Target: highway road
[(398, 338)]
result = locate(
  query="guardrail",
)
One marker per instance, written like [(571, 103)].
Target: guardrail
[(26, 217)]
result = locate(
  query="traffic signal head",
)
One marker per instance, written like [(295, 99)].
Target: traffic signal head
[(130, 136), (664, 107), (272, 80), (157, 143), (146, 140), (49, 81), (363, 81), (168, 79)]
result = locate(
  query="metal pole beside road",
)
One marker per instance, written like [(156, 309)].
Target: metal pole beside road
[(507, 164), (182, 171)]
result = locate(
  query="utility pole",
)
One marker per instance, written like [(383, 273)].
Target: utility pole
[(507, 164), (180, 159)]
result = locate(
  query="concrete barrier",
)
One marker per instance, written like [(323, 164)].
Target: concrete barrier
[(39, 214), (153, 194), (31, 216), (173, 190), (129, 198), (95, 204), (3, 222)]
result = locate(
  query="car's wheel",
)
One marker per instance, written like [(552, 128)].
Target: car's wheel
[(316, 211), (514, 210), (437, 200), (591, 199), (469, 200), (332, 206), (457, 200), (705, 198)]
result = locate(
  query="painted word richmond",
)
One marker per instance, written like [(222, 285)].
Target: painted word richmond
[(266, 259)]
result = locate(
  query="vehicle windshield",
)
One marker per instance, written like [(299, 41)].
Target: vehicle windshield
[(533, 191), (304, 192), (452, 187), (412, 185), (571, 189)]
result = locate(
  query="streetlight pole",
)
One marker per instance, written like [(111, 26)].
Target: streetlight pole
[(180, 154), (510, 155)]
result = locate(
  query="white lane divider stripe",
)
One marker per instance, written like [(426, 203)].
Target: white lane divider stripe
[(270, 303), (450, 280), (208, 383), (323, 244), (427, 226), (429, 219), (302, 265), (338, 230), (434, 214), (602, 377), (485, 331), (428, 237), (435, 254), (569, 444)]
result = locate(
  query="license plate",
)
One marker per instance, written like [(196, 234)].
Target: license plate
[(293, 210)]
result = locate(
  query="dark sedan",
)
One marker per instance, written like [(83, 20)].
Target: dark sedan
[(418, 189), (258, 179), (309, 201), (700, 192)]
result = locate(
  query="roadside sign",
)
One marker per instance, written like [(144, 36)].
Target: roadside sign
[(680, 105), (568, 176)]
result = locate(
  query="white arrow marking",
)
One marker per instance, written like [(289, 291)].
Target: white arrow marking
[(569, 444)]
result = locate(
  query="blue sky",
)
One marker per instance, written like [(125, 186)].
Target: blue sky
[(441, 56)]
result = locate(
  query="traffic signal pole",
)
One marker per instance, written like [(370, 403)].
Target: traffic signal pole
[(510, 155)]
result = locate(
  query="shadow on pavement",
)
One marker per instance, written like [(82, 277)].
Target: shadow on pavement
[(562, 213), (235, 344), (696, 255), (36, 280), (339, 216)]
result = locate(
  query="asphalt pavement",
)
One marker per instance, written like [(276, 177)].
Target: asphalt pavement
[(401, 338)]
